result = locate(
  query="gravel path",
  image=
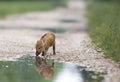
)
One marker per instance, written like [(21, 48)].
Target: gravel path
[(19, 33)]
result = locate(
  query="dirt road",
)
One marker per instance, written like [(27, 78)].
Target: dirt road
[(19, 33)]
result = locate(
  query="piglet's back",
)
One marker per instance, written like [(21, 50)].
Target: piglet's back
[(48, 39)]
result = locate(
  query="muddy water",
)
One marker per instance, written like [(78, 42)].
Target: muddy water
[(36, 69)]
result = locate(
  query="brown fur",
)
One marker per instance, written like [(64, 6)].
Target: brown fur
[(46, 41), (43, 68)]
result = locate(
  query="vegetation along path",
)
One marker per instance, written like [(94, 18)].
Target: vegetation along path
[(19, 33)]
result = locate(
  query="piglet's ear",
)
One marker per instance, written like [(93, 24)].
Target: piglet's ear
[(36, 44), (37, 41)]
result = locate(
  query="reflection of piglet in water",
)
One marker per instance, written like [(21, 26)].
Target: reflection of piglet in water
[(46, 41), (43, 68)]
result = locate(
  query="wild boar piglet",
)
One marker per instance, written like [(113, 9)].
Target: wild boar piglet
[(46, 41)]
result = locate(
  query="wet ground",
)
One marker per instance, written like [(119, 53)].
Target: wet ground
[(36, 69)]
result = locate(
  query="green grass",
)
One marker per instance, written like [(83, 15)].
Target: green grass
[(104, 23), (25, 6)]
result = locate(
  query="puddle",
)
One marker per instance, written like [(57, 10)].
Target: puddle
[(56, 29), (36, 69), (70, 20)]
